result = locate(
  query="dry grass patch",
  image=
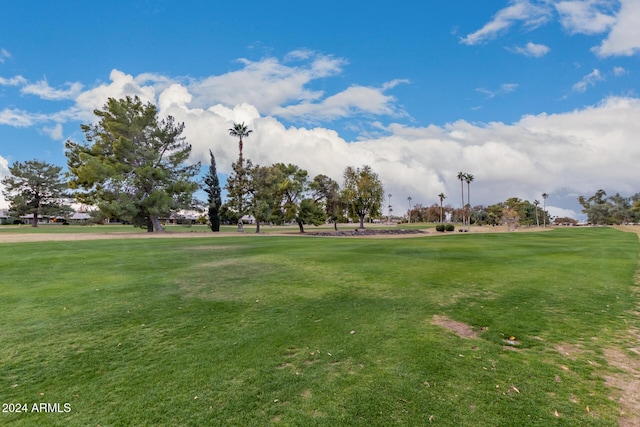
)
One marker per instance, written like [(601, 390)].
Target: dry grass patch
[(461, 329)]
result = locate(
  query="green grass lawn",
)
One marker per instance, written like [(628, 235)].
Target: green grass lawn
[(267, 330)]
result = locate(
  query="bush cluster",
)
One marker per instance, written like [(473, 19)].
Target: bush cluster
[(444, 227)]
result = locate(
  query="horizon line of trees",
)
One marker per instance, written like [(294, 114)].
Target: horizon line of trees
[(133, 166)]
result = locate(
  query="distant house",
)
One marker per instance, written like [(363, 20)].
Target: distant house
[(79, 218), (183, 218), (43, 219)]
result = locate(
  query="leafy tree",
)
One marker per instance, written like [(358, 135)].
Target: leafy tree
[(35, 187), (237, 188), (495, 213), (363, 192), (510, 217), (326, 190), (292, 189), (239, 178), (227, 215), (212, 188), (310, 212), (133, 166), (596, 207), (262, 187), (620, 211)]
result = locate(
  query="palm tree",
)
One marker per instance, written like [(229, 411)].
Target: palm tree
[(544, 210), (461, 176), (442, 197), (469, 178), (409, 199), (536, 203), (239, 130)]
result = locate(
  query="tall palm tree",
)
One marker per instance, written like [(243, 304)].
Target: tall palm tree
[(409, 199), (544, 210), (461, 176), (239, 130), (536, 203), (469, 179), (442, 197)]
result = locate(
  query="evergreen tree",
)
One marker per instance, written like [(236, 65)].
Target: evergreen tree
[(133, 165), (35, 187), (212, 188)]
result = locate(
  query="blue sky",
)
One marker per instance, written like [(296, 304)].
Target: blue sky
[(529, 96)]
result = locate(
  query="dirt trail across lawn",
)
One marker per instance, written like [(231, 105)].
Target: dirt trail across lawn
[(16, 237)]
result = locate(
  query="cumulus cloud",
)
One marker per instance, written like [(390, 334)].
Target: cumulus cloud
[(542, 153), (624, 37), (589, 80), (531, 49), (519, 11), (269, 83)]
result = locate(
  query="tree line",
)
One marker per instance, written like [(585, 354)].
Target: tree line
[(132, 166)]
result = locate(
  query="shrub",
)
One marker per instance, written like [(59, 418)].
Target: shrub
[(449, 227), (440, 227)]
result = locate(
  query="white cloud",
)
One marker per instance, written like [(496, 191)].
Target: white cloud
[(44, 91), (619, 71), (624, 38), (555, 211), (13, 81), (355, 100), (4, 55), (19, 118), (504, 89), (586, 16), (589, 80), (4, 171), (531, 15), (531, 49), (543, 153), (268, 84), (54, 132)]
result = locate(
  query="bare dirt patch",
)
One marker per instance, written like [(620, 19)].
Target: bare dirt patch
[(461, 329), (64, 237), (625, 385)]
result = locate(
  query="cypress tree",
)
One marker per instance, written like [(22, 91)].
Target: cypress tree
[(212, 188)]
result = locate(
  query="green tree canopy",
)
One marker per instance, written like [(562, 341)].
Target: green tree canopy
[(326, 191), (363, 192), (214, 199), (133, 166), (36, 187)]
